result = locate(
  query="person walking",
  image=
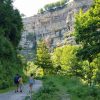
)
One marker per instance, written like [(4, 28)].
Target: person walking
[(16, 82), (20, 80), (31, 82)]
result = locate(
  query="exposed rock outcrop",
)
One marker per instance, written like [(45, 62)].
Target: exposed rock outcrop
[(54, 27)]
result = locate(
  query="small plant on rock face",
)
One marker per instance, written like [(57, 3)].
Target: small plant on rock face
[(41, 11)]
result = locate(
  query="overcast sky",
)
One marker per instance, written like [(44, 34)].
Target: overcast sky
[(30, 7)]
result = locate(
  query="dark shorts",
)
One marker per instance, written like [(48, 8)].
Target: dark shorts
[(30, 84), (16, 83)]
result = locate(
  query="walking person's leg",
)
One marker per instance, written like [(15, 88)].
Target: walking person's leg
[(17, 86), (31, 85), (30, 91), (20, 83), (20, 87)]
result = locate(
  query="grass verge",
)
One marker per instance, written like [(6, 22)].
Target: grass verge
[(7, 89), (65, 88)]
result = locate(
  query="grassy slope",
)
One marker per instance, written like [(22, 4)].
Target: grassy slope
[(59, 88)]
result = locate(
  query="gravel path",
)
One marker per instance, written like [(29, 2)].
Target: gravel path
[(21, 96)]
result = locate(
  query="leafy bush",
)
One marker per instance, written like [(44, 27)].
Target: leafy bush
[(4, 84), (6, 48)]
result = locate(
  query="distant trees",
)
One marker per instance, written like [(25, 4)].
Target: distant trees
[(53, 6)]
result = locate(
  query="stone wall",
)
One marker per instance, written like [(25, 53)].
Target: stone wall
[(54, 27)]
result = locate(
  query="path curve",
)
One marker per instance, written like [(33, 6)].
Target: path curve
[(21, 96)]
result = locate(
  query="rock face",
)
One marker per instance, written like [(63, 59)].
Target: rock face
[(54, 27)]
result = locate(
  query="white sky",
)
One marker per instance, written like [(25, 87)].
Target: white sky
[(30, 7)]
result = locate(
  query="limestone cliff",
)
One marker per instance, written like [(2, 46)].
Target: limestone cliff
[(54, 26)]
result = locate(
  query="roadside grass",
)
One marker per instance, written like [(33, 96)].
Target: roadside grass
[(7, 89), (57, 87)]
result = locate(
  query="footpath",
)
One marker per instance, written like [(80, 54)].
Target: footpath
[(21, 96)]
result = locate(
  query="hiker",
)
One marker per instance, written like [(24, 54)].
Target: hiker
[(16, 78), (31, 82), (20, 80)]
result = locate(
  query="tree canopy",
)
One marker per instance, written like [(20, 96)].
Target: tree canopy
[(10, 22), (43, 58), (87, 31), (10, 34)]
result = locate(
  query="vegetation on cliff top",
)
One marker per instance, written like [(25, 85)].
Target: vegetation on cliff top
[(53, 6)]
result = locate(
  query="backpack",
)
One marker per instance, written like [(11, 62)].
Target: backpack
[(16, 79)]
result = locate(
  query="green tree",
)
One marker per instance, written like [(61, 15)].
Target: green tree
[(10, 33), (56, 59), (43, 58), (66, 58), (10, 22), (87, 32)]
